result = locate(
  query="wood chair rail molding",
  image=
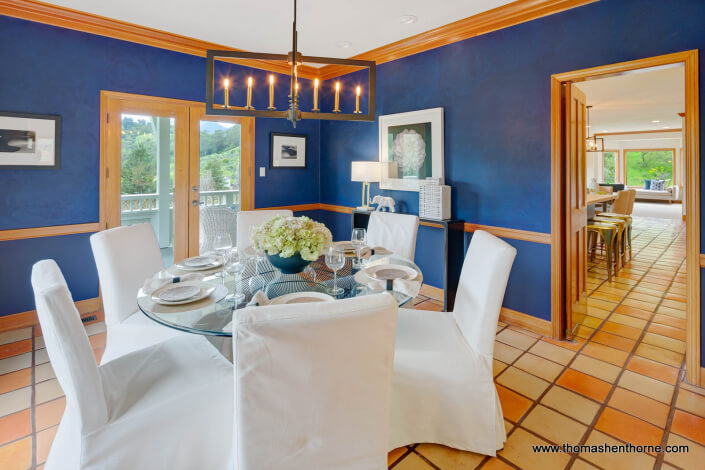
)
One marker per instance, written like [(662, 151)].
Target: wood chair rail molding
[(501, 17), (502, 232), (51, 231), (691, 133)]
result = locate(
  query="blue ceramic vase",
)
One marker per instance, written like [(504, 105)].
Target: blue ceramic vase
[(291, 265)]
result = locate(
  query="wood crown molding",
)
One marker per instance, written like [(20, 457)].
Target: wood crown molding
[(63, 17), (504, 16), (656, 131), (29, 318), (501, 17), (529, 322), (52, 231)]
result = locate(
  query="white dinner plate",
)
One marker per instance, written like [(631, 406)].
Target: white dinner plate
[(202, 290), (384, 272), (344, 245), (349, 249), (301, 298), (199, 263), (178, 292)]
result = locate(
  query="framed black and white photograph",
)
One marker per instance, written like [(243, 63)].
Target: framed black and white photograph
[(29, 141), (411, 149), (288, 150)]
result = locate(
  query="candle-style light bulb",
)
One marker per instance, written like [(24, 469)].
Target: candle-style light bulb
[(249, 93), (271, 92), (357, 101), (226, 85), (336, 109), (315, 95)]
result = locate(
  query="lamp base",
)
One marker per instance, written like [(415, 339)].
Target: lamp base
[(365, 208)]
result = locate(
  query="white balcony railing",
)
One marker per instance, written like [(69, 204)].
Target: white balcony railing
[(139, 208), (143, 204)]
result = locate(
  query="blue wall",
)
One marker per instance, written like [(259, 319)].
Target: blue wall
[(50, 70), (494, 88), (495, 91)]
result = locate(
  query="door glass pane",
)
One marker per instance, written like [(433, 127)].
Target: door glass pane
[(649, 164), (147, 177), (609, 160), (219, 171)]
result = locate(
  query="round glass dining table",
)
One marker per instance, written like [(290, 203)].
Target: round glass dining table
[(210, 318)]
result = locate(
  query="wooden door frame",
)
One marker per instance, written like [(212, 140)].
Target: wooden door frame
[(109, 205), (692, 180)]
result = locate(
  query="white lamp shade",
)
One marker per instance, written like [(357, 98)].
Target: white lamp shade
[(366, 172)]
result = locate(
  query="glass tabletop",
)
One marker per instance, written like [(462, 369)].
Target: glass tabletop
[(209, 318)]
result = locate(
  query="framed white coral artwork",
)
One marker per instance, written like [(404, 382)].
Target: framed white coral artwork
[(413, 143)]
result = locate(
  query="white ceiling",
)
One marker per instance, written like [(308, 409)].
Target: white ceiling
[(265, 25), (633, 101)]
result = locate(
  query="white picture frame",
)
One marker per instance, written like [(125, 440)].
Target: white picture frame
[(29, 141), (403, 138), (288, 150)]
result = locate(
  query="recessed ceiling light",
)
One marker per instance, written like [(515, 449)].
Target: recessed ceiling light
[(666, 127), (655, 121), (408, 19), (342, 44)]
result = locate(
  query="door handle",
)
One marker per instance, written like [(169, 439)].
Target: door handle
[(195, 203), (194, 189)]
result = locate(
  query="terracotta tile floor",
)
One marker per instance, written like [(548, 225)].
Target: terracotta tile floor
[(619, 382)]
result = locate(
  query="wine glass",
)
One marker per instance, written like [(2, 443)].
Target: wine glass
[(335, 260), (235, 264), (222, 244), (358, 240)]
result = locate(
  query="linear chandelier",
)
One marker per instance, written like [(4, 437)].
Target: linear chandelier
[(594, 143), (294, 112)]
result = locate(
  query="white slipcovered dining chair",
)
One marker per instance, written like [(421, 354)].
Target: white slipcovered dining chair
[(125, 258), (160, 407), (395, 232), (443, 390), (248, 219), (312, 384)]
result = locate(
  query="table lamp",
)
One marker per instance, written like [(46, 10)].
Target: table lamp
[(366, 173)]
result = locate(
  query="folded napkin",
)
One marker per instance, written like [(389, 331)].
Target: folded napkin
[(406, 287), (154, 283), (259, 299), (378, 250)]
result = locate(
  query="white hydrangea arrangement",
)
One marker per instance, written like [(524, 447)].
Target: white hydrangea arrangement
[(287, 236)]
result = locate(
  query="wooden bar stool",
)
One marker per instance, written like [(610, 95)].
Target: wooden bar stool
[(621, 234), (628, 219), (607, 232)]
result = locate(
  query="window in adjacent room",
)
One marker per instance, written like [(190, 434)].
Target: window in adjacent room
[(653, 164), (609, 167)]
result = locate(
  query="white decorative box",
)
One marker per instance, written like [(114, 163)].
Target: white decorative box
[(434, 200)]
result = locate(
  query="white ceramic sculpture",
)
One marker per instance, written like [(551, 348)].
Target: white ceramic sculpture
[(384, 202)]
